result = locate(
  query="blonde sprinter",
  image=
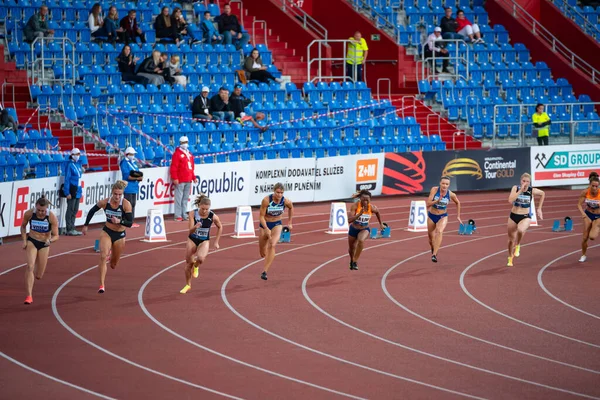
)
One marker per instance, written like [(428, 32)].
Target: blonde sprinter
[(520, 215), (201, 219), (437, 214), (272, 208), (43, 230), (119, 216)]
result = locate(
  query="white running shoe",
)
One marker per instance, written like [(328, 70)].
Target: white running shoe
[(582, 259)]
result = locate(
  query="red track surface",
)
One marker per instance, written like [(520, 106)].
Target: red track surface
[(400, 327)]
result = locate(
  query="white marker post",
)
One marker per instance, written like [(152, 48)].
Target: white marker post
[(338, 219), (244, 223), (417, 220), (155, 227), (534, 220)]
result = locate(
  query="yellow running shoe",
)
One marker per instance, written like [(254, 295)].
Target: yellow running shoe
[(185, 289), (195, 273), (510, 263), (517, 250)]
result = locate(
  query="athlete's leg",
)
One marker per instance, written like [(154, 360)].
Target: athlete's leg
[(105, 246), (360, 242), (263, 240), (275, 234), (42, 261), (190, 251), (117, 250), (31, 254), (587, 227), (431, 232), (521, 229), (351, 247), (512, 233), (439, 232), (595, 229)]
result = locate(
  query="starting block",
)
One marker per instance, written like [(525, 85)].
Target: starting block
[(286, 235), (385, 233), (374, 233), (567, 227), (97, 246), (465, 229)]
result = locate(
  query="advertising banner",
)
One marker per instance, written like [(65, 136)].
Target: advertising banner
[(417, 172), (340, 177), (564, 165), (25, 194), (6, 190), (299, 177)]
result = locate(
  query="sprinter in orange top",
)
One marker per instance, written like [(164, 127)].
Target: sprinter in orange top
[(591, 215), (359, 217)]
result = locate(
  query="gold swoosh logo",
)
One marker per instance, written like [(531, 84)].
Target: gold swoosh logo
[(463, 166)]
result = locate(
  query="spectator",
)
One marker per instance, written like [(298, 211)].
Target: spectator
[(541, 123), (164, 27), (113, 19), (97, 26), (220, 107), (256, 69), (231, 29), (180, 25), (127, 62), (132, 175), (131, 31), (182, 175), (6, 120), (72, 191), (200, 107), (356, 57), (210, 34), (466, 28), (238, 103), (438, 49), (37, 26), (151, 69), (175, 71), (449, 26)]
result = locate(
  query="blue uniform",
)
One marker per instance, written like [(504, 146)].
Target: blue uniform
[(73, 174), (202, 233), (441, 206), (126, 168), (274, 210)]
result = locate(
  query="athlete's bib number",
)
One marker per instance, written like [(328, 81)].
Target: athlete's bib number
[(202, 232)]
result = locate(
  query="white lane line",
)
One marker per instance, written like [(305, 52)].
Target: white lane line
[(475, 299), (541, 283)]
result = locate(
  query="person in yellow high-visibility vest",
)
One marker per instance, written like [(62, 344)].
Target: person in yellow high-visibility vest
[(356, 56), (541, 124)]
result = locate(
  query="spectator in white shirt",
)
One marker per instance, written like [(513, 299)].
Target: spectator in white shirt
[(97, 26), (438, 48)]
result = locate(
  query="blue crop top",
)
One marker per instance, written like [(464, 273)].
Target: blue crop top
[(443, 204), (275, 209)]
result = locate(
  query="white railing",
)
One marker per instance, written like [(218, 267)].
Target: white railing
[(263, 24), (319, 59), (557, 46), (308, 22), (37, 65), (456, 59), (572, 13), (553, 109)]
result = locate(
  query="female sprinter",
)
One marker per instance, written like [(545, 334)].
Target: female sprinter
[(437, 203), (112, 238), (201, 219), (591, 215), (43, 230), (520, 214), (358, 218), (271, 211)]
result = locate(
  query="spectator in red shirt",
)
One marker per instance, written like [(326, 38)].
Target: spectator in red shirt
[(466, 28), (131, 30), (182, 175)]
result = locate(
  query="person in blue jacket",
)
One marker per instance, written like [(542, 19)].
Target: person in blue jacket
[(132, 175), (72, 190)]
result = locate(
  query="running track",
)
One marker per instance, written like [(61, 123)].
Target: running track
[(400, 327)]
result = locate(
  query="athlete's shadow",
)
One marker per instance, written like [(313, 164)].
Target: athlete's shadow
[(490, 272), (574, 265), (327, 283), (407, 274)]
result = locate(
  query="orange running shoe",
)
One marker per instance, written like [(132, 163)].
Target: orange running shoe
[(28, 300)]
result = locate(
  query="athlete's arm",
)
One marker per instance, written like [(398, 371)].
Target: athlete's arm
[(581, 202), (542, 195), (191, 226), (99, 206), (127, 219), (263, 212), (54, 233), (432, 193), (514, 193), (352, 214), (376, 212), (290, 206), (454, 198), (26, 217), (219, 226)]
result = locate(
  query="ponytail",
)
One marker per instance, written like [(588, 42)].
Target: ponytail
[(201, 200)]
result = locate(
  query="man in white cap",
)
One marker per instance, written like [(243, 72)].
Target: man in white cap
[(182, 175), (200, 106), (133, 176), (72, 191), (438, 48)]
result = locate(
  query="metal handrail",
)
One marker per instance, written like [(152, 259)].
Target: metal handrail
[(13, 93), (389, 86), (571, 109), (241, 7), (308, 22), (439, 123), (377, 18), (433, 58), (570, 12), (319, 59), (458, 133), (39, 63), (557, 46), (264, 25), (413, 108)]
